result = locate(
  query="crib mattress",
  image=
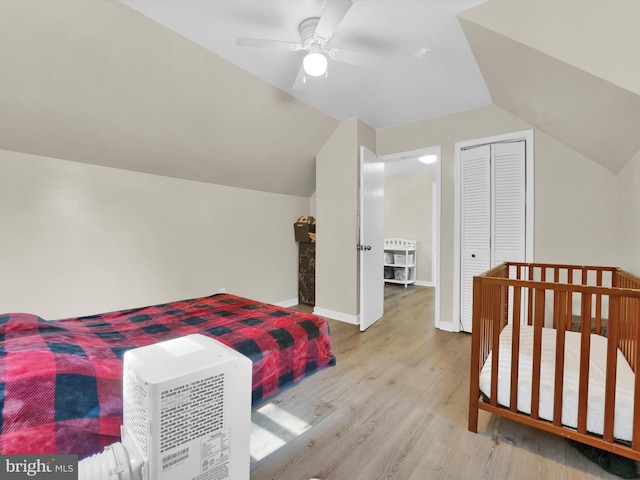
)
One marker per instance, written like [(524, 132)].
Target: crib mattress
[(623, 421)]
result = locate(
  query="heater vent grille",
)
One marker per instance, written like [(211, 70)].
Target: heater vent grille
[(190, 411), (136, 408)]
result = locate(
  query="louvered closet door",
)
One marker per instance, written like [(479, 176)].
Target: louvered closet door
[(493, 214), (508, 202), (476, 223)]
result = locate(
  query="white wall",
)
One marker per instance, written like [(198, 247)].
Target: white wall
[(80, 239), (576, 207), (337, 177), (575, 199), (312, 204), (629, 215), (408, 205), (336, 203)]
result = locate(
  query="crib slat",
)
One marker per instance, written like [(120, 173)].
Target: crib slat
[(530, 302), (629, 325), (561, 299), (496, 317), (633, 321), (486, 325), (636, 393), (598, 315), (537, 352), (476, 339), (624, 330), (569, 325), (585, 349), (515, 349), (599, 304), (556, 279), (612, 364)]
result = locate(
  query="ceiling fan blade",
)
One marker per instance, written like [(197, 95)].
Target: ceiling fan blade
[(299, 82), (264, 43), (334, 12), (354, 58)]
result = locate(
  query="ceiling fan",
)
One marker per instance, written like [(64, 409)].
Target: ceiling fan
[(315, 37)]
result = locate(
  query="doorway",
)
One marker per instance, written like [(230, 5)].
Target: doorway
[(407, 164)]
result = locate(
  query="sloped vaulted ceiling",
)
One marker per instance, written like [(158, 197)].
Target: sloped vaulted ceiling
[(97, 82), (569, 68)]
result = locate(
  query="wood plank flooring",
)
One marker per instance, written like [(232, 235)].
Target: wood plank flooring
[(395, 407)]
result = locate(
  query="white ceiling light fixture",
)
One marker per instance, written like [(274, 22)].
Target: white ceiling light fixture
[(428, 159), (315, 64), (315, 39)]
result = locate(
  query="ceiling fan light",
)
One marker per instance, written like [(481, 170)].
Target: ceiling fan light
[(315, 64)]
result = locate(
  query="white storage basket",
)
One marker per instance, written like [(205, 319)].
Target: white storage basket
[(399, 259)]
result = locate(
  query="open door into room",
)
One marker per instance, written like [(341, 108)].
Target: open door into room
[(411, 210), (371, 241)]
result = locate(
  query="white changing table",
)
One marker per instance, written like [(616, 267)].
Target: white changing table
[(399, 261)]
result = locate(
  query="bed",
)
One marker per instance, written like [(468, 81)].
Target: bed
[(61, 380), (556, 347)]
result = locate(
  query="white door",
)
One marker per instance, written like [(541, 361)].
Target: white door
[(476, 224), (371, 241), (508, 202), (493, 214)]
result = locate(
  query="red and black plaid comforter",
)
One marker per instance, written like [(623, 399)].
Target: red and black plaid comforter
[(61, 381)]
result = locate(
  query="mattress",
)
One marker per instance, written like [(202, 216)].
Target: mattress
[(623, 418)]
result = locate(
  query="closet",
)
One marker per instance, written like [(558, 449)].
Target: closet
[(493, 213)]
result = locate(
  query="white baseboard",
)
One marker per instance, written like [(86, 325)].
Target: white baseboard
[(343, 317), (423, 283), (287, 303)]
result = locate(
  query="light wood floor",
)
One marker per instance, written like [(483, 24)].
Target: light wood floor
[(395, 407)]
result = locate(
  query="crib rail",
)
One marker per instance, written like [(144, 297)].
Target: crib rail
[(586, 299)]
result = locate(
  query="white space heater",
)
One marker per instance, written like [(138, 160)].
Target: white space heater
[(187, 415)]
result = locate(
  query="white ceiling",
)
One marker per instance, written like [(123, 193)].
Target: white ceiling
[(424, 67)]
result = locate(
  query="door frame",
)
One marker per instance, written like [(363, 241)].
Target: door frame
[(527, 136), (436, 215)]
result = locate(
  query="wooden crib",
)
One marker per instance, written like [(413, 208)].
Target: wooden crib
[(581, 385)]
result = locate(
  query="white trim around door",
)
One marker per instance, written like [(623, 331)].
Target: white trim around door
[(527, 136)]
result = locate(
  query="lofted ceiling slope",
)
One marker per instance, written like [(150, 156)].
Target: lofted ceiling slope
[(98, 82), (543, 62), (600, 37)]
